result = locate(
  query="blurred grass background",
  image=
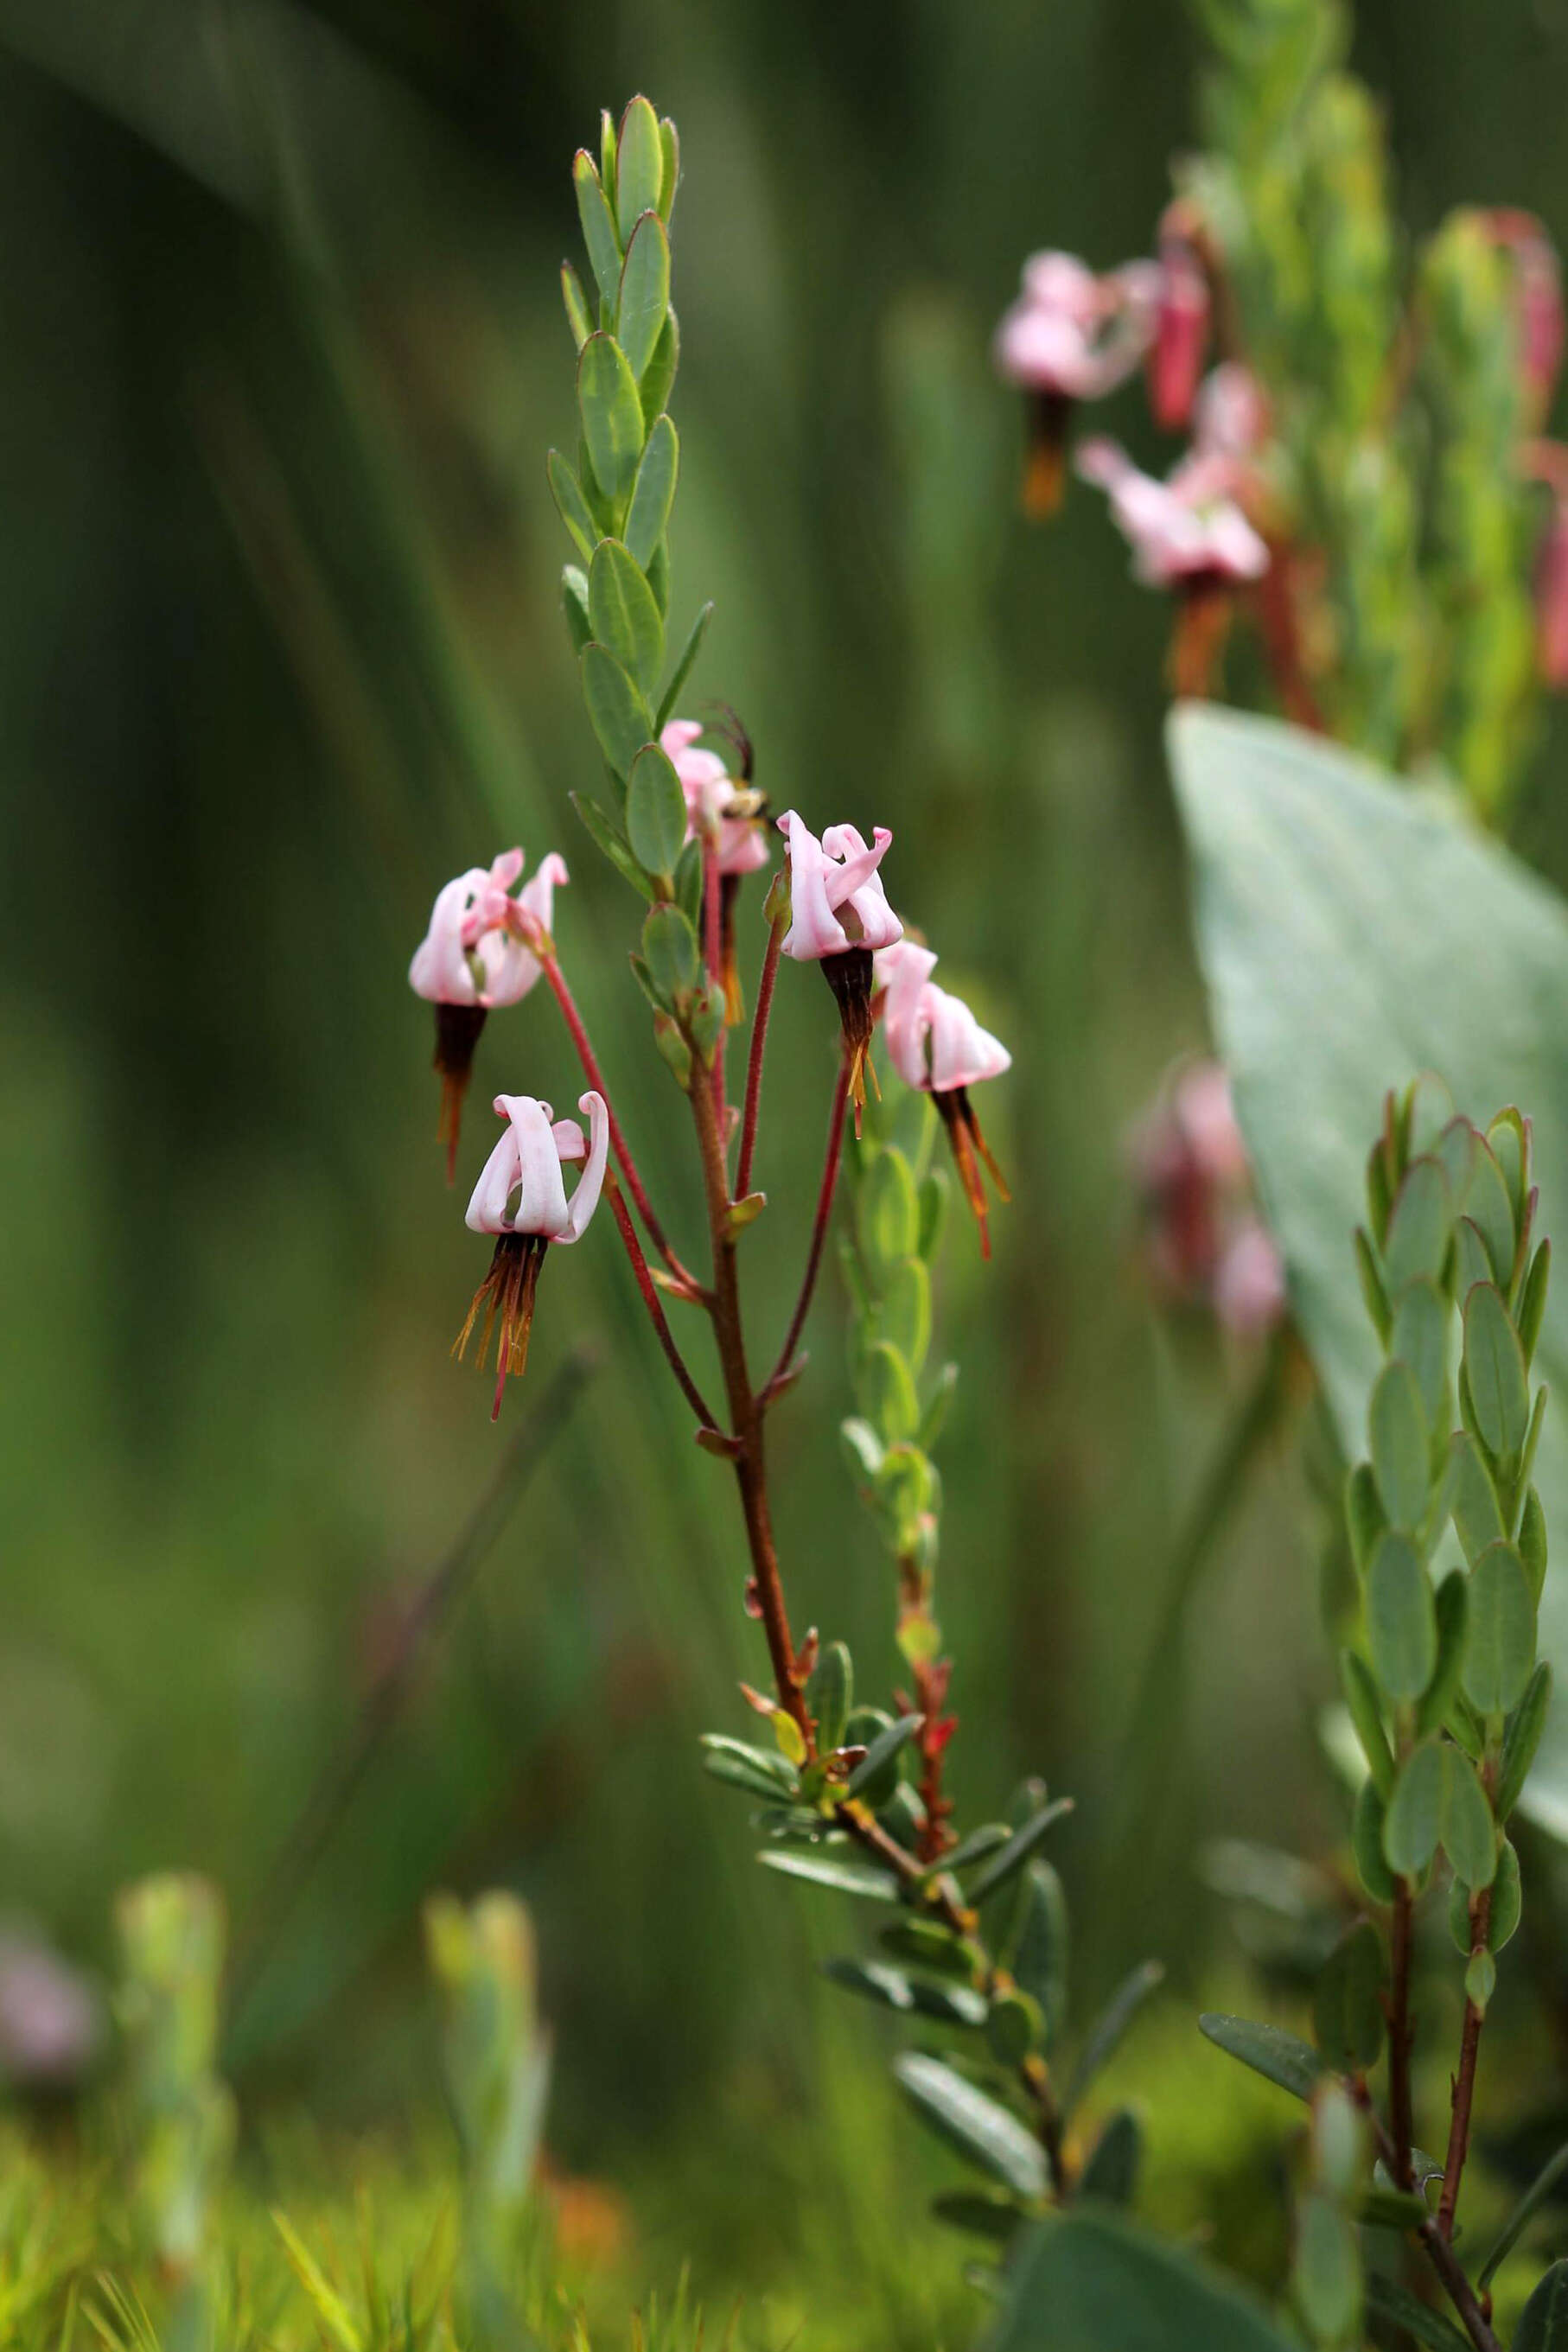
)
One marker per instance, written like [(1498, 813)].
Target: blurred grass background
[(280, 353)]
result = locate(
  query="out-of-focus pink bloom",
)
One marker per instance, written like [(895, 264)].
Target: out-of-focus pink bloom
[(1250, 1283), (479, 953), (710, 791), (51, 2025), (1073, 333), (837, 900), (526, 1162), (1552, 598), (1538, 293), (1230, 415), (1207, 1246), (1188, 528), (1181, 334), (1070, 336), (936, 1043)]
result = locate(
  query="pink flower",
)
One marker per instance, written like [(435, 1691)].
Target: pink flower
[(1230, 415), (1250, 1283), (1184, 531), (1072, 333), (837, 900), (839, 916), (1181, 334), (478, 953), (526, 1162), (936, 1043), (1070, 336), (710, 789), (1538, 297)]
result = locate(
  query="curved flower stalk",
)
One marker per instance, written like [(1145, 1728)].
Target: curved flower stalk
[(1070, 337), (527, 1163), (723, 816), (936, 1046), (479, 953)]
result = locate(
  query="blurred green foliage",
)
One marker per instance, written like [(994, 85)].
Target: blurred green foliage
[(282, 351)]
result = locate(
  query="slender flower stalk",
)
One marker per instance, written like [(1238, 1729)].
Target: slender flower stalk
[(830, 1166), (651, 1300), (759, 1019)]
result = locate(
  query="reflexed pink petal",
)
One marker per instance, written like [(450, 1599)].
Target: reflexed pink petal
[(586, 1199)]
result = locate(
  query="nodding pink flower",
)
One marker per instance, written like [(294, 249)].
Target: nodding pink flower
[(1552, 598), (1538, 294), (712, 793), (1187, 533), (1070, 336), (1230, 415), (526, 1162), (1181, 331), (936, 1043), (839, 917), (479, 953), (1207, 1246)]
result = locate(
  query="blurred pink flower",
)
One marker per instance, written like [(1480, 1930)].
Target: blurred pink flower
[(479, 953), (709, 789), (936, 1043), (1230, 415), (51, 2023), (1249, 1282), (1070, 336), (1186, 529), (1181, 333), (1207, 1245), (528, 1161), (1538, 297)]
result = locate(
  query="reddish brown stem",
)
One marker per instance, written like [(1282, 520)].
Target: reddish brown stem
[(1465, 2081), (650, 1298), (754, 1059), (618, 1145), (1275, 614), (1440, 2253), (1400, 2116), (818, 1232), (713, 957)]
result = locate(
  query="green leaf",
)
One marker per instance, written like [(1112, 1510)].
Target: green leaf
[(896, 1989), (1367, 1818), (1490, 1211), (1499, 1651), (658, 376), (612, 842), (1347, 2001), (1532, 1300), (904, 1315), (671, 951), (1420, 1338), (640, 165), (1453, 1630), (574, 507), (574, 602), (1427, 2327), (1111, 2172), (759, 1770), (981, 2130), (1106, 2034), (653, 493), (1366, 1715), (644, 299), (830, 1695), (608, 152), (625, 618), (1269, 2050), (1401, 1619), (1365, 1518), (1503, 1913), (886, 1213), (1513, 2229), (598, 228), (862, 1878), (1015, 2028), (1544, 2322), (1420, 1228), (985, 2212), (1468, 1831), (1412, 1823), (1035, 1944), (1326, 2274), (1494, 1365), (1400, 1444), (656, 810), (974, 1848), (933, 1418), (1524, 1740), (887, 1744), (578, 316), (611, 415), (1292, 841), (683, 668), (1478, 1521), (1017, 1850), (1532, 1543), (620, 716), (1091, 2281), (669, 142), (885, 1392)]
